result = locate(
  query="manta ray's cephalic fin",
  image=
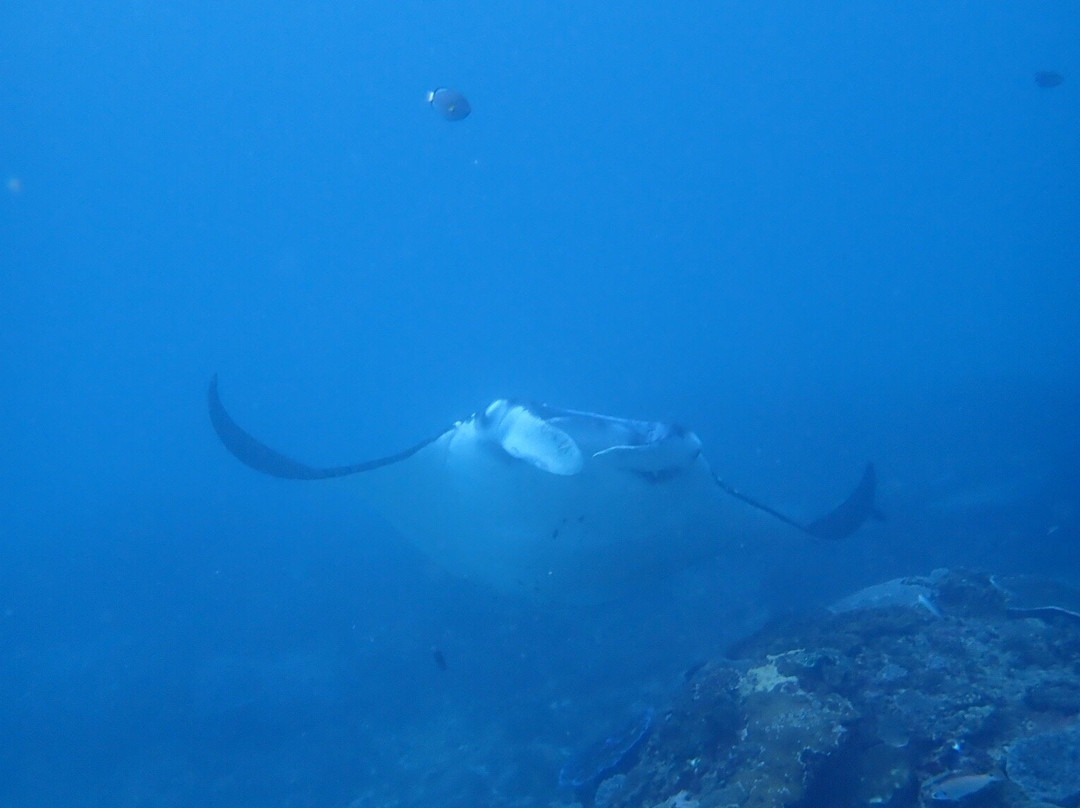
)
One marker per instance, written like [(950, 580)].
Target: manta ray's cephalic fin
[(840, 522), (252, 452)]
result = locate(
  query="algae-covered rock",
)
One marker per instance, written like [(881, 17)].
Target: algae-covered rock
[(1047, 766), (680, 800), (608, 791), (764, 679), (1054, 696), (890, 706), (789, 734)]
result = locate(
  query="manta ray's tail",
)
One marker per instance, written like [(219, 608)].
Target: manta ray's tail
[(841, 521)]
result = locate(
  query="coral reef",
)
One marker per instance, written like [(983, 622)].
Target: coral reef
[(885, 701)]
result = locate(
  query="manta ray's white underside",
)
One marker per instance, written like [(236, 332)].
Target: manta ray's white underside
[(529, 499), (585, 537)]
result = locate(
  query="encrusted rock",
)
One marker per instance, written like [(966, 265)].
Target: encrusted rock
[(869, 706), (608, 791), (1047, 766), (680, 800), (1061, 696)]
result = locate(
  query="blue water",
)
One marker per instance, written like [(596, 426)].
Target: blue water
[(813, 236)]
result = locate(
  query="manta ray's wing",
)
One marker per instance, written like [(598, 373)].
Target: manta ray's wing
[(252, 452), (840, 522), (849, 515)]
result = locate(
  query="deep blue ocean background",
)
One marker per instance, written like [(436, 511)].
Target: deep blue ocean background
[(815, 235)]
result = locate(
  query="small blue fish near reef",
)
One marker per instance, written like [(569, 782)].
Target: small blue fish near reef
[(1048, 79), (451, 104)]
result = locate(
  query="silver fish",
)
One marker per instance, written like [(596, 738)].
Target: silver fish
[(955, 787)]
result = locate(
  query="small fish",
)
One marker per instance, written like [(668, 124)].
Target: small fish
[(929, 605), (440, 660), (1048, 78), (690, 672), (955, 787), (451, 104)]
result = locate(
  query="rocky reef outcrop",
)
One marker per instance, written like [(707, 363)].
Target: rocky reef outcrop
[(929, 691)]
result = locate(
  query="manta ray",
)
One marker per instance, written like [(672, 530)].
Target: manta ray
[(558, 504)]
